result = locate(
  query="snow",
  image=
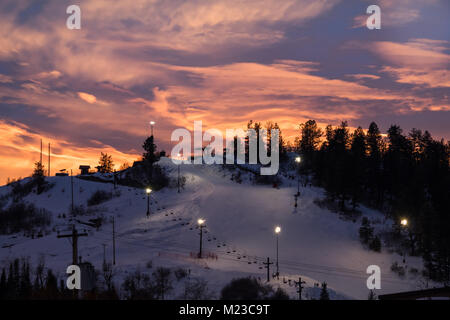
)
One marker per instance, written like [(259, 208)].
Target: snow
[(314, 244)]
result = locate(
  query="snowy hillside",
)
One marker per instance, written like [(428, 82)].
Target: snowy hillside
[(314, 243)]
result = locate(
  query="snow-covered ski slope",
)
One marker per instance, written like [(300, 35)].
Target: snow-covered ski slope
[(314, 243)]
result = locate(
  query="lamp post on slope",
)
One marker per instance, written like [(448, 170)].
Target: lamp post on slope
[(277, 232), (201, 225), (404, 224), (148, 191), (298, 160)]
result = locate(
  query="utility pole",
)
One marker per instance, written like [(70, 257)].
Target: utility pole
[(71, 184), (295, 197), (267, 266), (74, 235), (40, 161), (104, 253), (179, 164), (49, 174), (114, 240), (300, 287), (178, 178)]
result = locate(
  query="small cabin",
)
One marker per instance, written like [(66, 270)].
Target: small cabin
[(84, 169)]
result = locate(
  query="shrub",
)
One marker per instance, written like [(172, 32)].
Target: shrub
[(269, 179), (395, 267), (249, 289), (197, 289), (23, 217), (366, 231), (98, 197), (375, 244), (163, 283), (138, 286), (180, 273)]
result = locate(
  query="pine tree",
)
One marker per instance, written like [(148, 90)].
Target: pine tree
[(281, 143), (25, 288), (3, 287), (38, 170), (38, 177), (51, 286), (257, 127), (374, 177), (248, 136), (324, 292), (338, 164), (149, 151), (105, 164), (310, 137), (357, 175), (375, 244)]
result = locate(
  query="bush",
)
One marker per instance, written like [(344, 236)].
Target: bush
[(21, 217), (98, 197), (180, 273), (250, 289), (197, 289), (138, 286), (163, 283), (159, 179), (375, 244), (366, 231), (268, 180), (398, 269), (21, 189)]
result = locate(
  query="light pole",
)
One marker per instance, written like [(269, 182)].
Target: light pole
[(404, 224), (201, 225), (152, 123), (298, 160), (148, 191), (179, 164), (71, 190), (277, 232)]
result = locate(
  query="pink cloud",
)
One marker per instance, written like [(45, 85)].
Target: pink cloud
[(89, 98)]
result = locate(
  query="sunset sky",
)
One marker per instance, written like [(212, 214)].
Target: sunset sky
[(223, 62)]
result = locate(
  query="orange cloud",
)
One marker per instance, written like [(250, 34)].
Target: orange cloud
[(429, 78), (89, 98), (364, 76), (395, 12), (20, 149), (417, 61), (418, 53)]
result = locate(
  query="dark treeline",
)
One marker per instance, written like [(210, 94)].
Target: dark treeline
[(20, 282), (406, 176)]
